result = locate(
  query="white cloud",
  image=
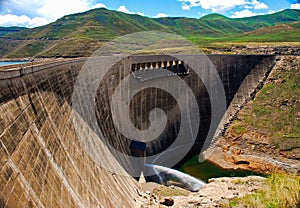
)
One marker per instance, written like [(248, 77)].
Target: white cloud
[(186, 7), (295, 6), (243, 13), (222, 6), (216, 5), (45, 10), (125, 10), (271, 12), (259, 5), (54, 9), (202, 14), (160, 15), (24, 7), (248, 13), (23, 20), (99, 5), (140, 13)]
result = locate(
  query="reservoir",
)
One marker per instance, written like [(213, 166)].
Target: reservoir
[(5, 63)]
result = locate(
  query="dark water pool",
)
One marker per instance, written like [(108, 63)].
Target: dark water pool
[(206, 170)]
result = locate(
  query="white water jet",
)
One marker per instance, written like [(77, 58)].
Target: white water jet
[(168, 176)]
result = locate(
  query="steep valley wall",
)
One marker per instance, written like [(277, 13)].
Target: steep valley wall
[(43, 162)]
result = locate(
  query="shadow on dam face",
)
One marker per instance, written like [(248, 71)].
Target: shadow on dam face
[(45, 161)]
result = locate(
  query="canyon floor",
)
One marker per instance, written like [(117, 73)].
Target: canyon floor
[(262, 137), (216, 193)]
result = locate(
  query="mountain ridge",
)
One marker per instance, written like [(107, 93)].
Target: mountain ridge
[(89, 30), (8, 30)]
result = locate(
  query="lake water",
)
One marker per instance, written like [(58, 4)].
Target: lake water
[(5, 63), (206, 170)]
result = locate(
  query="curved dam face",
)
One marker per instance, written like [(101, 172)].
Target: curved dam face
[(45, 162)]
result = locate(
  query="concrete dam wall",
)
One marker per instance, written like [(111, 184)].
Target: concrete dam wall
[(45, 162)]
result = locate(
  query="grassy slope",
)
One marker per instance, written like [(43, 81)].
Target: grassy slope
[(280, 100), (279, 33), (288, 15), (278, 191), (90, 29), (9, 30), (97, 24), (276, 112)]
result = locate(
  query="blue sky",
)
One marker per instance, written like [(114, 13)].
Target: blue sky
[(32, 13)]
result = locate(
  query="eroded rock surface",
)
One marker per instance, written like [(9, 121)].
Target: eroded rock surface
[(217, 192), (257, 148)]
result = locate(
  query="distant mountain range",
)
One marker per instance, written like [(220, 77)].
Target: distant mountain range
[(81, 34), (8, 30)]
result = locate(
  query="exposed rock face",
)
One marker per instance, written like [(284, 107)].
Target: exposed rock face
[(276, 50), (249, 49), (254, 149), (218, 191)]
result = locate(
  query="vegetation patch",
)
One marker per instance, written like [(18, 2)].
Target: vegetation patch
[(280, 190), (238, 129), (276, 108)]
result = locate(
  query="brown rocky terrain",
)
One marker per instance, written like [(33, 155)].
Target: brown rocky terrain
[(217, 192), (276, 50), (263, 137), (253, 49)]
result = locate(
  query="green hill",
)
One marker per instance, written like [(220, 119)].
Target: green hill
[(98, 24), (81, 34), (8, 30), (285, 16), (279, 33)]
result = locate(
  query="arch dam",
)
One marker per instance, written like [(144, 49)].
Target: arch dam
[(43, 161)]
